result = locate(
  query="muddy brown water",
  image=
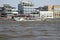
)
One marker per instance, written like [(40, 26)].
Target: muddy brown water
[(12, 30)]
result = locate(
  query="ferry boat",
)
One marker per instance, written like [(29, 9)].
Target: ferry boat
[(25, 18), (28, 18), (22, 19)]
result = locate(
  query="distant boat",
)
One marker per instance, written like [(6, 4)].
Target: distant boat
[(22, 19), (26, 18), (19, 19)]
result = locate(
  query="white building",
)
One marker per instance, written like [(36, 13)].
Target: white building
[(14, 11), (25, 7), (46, 14), (9, 10)]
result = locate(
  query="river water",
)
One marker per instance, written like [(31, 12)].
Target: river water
[(29, 30)]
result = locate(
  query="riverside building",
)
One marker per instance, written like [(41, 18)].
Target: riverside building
[(55, 9), (9, 10), (1, 10), (26, 7)]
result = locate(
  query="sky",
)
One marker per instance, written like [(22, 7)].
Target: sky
[(37, 3)]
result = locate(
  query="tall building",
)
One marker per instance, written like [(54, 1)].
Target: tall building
[(25, 7)]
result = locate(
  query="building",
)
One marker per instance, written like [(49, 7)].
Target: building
[(25, 7), (14, 11), (9, 10), (28, 9), (55, 9), (44, 8), (52, 8), (1, 10), (46, 14)]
